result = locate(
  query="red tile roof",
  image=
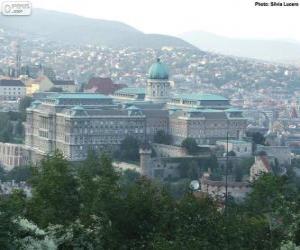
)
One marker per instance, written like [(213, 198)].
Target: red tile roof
[(103, 85)]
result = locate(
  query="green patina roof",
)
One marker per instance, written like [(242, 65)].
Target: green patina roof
[(133, 108), (79, 108), (81, 96), (233, 110), (202, 97), (205, 110), (137, 91), (36, 102), (158, 71)]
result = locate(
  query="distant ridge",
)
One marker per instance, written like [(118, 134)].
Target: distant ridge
[(270, 50), (75, 29)]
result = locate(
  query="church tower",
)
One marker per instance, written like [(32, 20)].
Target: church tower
[(158, 85)]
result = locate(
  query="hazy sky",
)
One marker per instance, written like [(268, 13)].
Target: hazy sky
[(235, 18)]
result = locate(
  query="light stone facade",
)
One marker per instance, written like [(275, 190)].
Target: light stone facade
[(260, 166), (12, 155), (217, 189), (11, 90), (76, 122), (239, 147), (206, 126), (56, 124)]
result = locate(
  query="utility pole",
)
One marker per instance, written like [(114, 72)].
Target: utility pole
[(226, 173)]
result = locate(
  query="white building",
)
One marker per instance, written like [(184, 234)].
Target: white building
[(239, 147), (11, 90), (260, 166)]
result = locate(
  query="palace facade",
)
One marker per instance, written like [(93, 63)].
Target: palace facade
[(76, 122)]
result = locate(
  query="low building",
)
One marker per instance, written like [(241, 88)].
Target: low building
[(164, 167), (7, 187), (12, 155), (281, 153), (43, 83), (260, 166), (239, 147), (12, 90), (217, 189), (64, 85)]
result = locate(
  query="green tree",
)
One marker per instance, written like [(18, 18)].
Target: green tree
[(10, 208), (23, 105), (238, 173), (6, 128), (231, 153), (19, 129), (190, 145), (22, 173), (162, 137), (98, 183), (147, 209), (129, 149), (55, 192)]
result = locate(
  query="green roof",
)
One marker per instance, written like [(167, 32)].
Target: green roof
[(202, 97), (233, 110), (131, 90), (79, 108), (81, 96), (205, 110), (158, 71), (133, 108)]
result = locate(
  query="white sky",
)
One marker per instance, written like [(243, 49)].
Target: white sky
[(234, 18)]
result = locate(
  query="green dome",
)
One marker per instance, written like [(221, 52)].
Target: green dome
[(158, 71)]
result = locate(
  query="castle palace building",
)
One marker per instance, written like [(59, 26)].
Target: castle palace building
[(74, 123)]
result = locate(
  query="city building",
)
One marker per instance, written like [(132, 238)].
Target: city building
[(12, 155), (260, 166), (206, 126), (217, 189), (281, 153), (239, 147), (76, 122), (11, 89), (43, 83)]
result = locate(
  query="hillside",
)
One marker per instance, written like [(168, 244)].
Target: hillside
[(75, 29), (272, 50)]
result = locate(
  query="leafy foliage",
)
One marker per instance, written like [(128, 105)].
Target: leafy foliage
[(91, 206), (162, 137), (190, 145), (23, 105), (129, 150)]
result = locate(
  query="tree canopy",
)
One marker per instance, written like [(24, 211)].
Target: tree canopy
[(190, 145), (91, 206)]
